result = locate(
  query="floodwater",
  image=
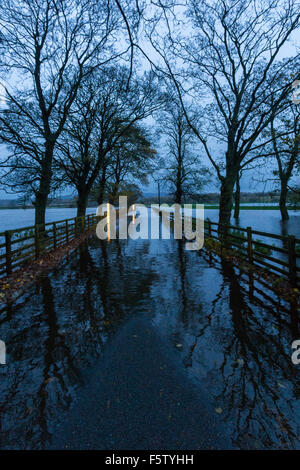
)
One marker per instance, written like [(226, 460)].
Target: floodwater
[(232, 338), (17, 218), (264, 220)]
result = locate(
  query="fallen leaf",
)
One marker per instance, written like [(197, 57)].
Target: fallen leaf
[(219, 410), (51, 379)]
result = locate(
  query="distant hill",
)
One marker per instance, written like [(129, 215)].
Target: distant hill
[(146, 198)]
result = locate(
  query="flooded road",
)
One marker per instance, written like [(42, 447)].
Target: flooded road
[(264, 220), (221, 348)]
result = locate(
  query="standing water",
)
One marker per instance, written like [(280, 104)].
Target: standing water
[(82, 372)]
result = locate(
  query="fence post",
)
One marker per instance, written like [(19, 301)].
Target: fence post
[(8, 252), (209, 228), (226, 237), (249, 246), (37, 241), (54, 235), (292, 260), (67, 231)]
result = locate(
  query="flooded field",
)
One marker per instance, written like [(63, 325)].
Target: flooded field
[(265, 220), (17, 218), (233, 340)]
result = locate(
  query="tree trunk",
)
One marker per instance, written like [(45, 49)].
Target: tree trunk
[(226, 201), (40, 208), (282, 200), (178, 195), (178, 190), (44, 186), (100, 198), (237, 197), (113, 196), (101, 191), (82, 201), (227, 188)]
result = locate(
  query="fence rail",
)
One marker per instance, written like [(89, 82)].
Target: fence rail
[(19, 246), (276, 253)]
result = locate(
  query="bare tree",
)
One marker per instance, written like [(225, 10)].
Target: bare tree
[(131, 162), (285, 132), (183, 172), (257, 164), (226, 57), (48, 47), (102, 129)]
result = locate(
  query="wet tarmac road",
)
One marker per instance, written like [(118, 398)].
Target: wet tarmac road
[(139, 397), (94, 362)]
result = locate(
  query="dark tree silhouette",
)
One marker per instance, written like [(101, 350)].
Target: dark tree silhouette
[(226, 60), (183, 172), (285, 133), (102, 129), (48, 47)]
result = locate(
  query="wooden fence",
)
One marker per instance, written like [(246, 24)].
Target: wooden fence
[(275, 253), (19, 246)]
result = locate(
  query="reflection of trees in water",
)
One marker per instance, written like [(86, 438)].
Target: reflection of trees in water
[(57, 331), (190, 310), (53, 334), (35, 362), (182, 280), (255, 383), (239, 348), (46, 353), (252, 390)]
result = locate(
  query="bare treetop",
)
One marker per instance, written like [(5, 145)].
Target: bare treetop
[(225, 57)]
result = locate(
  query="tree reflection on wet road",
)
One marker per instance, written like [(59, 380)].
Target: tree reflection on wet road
[(142, 344)]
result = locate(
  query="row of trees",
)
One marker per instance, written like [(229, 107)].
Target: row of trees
[(218, 86), (224, 60), (181, 171), (70, 102), (185, 176)]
